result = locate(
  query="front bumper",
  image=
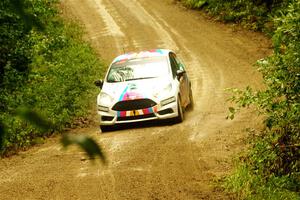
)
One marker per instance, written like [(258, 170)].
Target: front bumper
[(160, 112)]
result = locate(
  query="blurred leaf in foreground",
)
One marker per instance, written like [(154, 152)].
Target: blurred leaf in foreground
[(86, 143), (34, 118), (89, 145)]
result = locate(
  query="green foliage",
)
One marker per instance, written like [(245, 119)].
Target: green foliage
[(246, 185), (195, 3), (271, 168), (45, 67), (28, 18), (256, 15)]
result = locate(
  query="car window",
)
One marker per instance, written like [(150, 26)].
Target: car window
[(142, 68), (180, 64), (174, 64)]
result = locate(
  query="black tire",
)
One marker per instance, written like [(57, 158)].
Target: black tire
[(106, 128), (180, 116)]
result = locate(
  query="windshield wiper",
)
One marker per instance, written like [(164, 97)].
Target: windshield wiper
[(112, 81), (133, 79)]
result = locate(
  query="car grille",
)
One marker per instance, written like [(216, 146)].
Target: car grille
[(136, 117), (133, 104)]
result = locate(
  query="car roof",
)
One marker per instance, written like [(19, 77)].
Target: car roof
[(142, 54)]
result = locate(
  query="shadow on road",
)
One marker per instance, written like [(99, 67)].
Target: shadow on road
[(140, 125)]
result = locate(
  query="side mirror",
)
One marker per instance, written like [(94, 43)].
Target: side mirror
[(180, 73), (99, 83)]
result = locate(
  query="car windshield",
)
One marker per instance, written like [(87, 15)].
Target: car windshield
[(135, 69)]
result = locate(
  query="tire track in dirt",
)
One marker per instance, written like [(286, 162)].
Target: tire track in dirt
[(169, 42)]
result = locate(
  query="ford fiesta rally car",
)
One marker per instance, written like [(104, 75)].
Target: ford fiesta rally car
[(143, 86)]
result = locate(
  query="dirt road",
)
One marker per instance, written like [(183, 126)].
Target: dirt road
[(158, 161)]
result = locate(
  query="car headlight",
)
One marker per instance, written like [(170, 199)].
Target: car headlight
[(167, 101), (103, 108), (104, 99)]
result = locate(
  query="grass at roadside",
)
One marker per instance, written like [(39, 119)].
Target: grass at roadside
[(244, 184)]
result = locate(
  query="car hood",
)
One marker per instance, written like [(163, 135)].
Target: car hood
[(137, 89)]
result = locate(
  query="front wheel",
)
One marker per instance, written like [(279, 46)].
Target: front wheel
[(180, 116)]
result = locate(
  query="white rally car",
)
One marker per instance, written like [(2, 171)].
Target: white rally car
[(143, 86)]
